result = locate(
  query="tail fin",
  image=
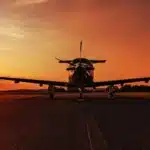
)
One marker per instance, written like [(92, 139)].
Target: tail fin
[(80, 48)]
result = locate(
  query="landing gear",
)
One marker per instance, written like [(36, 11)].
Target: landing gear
[(111, 95), (51, 92), (80, 99), (51, 95), (93, 89), (81, 95), (111, 92)]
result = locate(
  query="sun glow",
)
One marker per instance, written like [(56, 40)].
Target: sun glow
[(34, 32), (11, 29)]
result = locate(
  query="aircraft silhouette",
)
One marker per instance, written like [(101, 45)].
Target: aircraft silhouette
[(81, 76)]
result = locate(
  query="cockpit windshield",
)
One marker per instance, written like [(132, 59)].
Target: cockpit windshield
[(83, 60), (85, 63)]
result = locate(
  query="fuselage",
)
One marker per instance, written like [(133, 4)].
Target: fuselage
[(81, 72)]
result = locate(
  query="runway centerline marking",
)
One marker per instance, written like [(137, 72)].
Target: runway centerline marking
[(89, 137)]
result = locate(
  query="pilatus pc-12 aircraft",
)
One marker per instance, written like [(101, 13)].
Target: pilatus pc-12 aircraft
[(81, 76)]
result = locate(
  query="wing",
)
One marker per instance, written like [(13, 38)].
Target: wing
[(113, 82), (35, 81)]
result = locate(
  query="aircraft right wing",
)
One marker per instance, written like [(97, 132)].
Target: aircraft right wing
[(122, 81)]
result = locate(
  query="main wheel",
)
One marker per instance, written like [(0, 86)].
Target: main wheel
[(51, 95), (51, 91), (110, 96)]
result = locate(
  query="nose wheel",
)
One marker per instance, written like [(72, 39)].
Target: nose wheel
[(80, 99), (81, 95)]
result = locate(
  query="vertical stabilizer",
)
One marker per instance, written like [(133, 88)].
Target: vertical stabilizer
[(80, 49)]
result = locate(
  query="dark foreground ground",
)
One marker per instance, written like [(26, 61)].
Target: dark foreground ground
[(38, 123)]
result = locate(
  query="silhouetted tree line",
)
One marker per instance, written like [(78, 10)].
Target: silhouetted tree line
[(135, 88), (125, 88)]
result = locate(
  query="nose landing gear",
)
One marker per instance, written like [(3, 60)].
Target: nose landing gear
[(81, 95)]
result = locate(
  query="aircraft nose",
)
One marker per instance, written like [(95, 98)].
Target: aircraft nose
[(80, 69)]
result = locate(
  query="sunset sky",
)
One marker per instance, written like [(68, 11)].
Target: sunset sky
[(34, 32)]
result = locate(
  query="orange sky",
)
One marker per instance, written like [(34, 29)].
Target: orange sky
[(34, 32)]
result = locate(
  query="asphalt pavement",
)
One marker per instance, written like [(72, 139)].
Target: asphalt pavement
[(37, 123)]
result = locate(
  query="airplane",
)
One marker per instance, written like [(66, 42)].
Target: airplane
[(81, 76)]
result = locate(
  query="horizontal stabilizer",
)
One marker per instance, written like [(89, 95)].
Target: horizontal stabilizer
[(64, 61), (98, 61)]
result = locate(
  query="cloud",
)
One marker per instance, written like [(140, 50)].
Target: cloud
[(8, 28), (29, 2)]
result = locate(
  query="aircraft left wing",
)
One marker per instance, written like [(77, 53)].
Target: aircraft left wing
[(122, 81), (35, 81)]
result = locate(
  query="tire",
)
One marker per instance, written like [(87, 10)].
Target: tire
[(111, 96), (51, 96)]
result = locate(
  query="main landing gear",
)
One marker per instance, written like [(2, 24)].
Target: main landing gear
[(111, 95), (111, 92), (51, 92)]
